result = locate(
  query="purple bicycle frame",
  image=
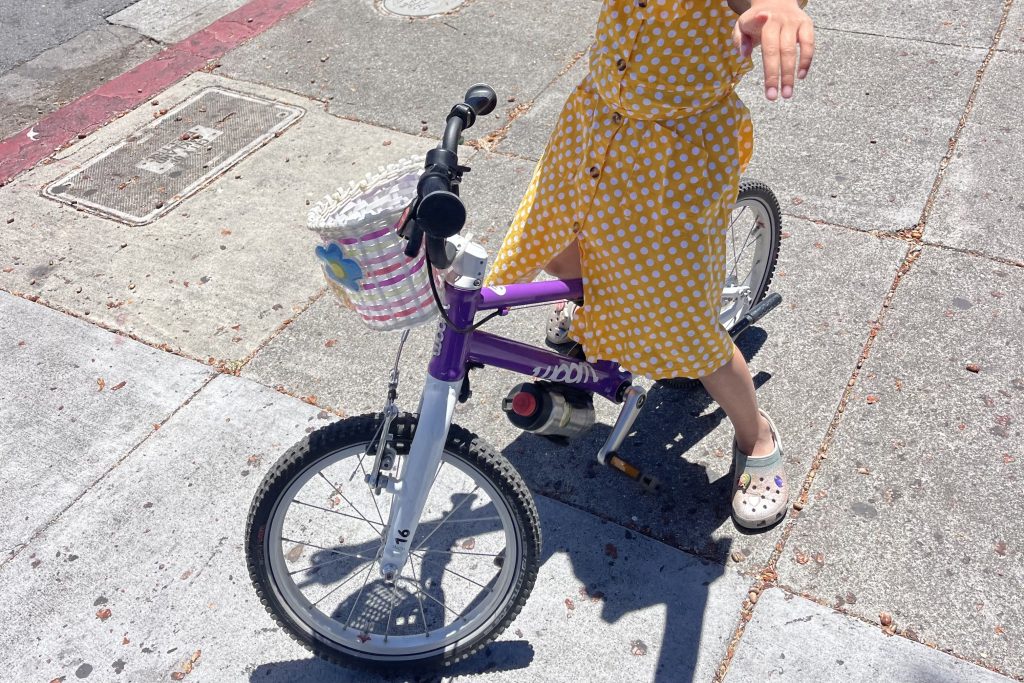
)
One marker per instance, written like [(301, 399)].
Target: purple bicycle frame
[(454, 350)]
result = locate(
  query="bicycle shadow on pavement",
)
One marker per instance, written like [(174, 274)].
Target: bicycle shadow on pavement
[(613, 573), (505, 655), (669, 440), (686, 512)]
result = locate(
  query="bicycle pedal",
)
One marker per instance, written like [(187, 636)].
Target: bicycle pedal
[(649, 482)]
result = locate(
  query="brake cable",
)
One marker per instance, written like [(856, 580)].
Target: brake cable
[(440, 306)]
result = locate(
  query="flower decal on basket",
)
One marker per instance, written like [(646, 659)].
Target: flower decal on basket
[(338, 268)]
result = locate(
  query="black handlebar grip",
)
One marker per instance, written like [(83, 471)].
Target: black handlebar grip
[(441, 214), (433, 181), (482, 99)]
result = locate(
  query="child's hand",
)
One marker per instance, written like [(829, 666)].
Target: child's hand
[(778, 26)]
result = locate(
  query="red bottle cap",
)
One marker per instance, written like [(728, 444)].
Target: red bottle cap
[(524, 404)]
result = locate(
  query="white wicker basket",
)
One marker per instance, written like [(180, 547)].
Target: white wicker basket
[(363, 258)]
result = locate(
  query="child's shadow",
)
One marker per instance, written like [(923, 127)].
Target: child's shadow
[(687, 511)]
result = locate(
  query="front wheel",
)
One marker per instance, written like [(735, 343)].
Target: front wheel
[(752, 250), (315, 532)]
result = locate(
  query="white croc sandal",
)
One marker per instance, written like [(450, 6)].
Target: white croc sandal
[(560, 322), (760, 493)]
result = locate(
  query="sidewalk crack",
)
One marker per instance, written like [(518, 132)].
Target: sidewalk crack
[(769, 576), (49, 523)]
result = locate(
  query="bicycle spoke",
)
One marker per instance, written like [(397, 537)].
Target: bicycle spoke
[(372, 497), (732, 236), (329, 550), (391, 609), (355, 604), (361, 516), (467, 521), (354, 574), (468, 497), (457, 615), (738, 217), (416, 582), (746, 241), (464, 578), (377, 434), (335, 512), (750, 233), (459, 552)]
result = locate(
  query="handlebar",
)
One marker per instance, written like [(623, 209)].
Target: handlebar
[(438, 213)]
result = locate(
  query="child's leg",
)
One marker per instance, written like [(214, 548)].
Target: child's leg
[(566, 266), (760, 490), (732, 387)]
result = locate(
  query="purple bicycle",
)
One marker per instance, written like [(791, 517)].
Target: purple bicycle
[(401, 540)]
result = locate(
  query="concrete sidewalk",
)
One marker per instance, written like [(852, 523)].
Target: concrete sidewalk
[(152, 374)]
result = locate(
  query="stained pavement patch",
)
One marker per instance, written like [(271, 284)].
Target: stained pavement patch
[(979, 204), (419, 8), (956, 22), (170, 22), (877, 174), (406, 74)]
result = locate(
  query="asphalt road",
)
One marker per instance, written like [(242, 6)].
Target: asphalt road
[(27, 29)]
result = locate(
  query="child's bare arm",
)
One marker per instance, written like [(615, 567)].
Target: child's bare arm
[(780, 27)]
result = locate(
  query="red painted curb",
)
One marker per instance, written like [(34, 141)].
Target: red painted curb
[(95, 109)]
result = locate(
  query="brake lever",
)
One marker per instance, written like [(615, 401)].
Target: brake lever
[(407, 218), (410, 231)]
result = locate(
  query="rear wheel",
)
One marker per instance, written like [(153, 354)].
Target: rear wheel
[(315, 532), (752, 250)]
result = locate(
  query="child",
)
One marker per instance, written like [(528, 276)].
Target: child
[(634, 193)]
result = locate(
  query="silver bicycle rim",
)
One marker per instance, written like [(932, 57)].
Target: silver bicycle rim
[(459, 577), (748, 253)]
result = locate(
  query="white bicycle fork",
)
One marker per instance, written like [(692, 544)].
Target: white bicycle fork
[(417, 477)]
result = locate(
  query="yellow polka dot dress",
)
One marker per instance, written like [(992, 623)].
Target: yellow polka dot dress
[(642, 170)]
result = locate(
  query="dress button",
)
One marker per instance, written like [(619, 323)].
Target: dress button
[(642, 3), (616, 117), (594, 171), (620, 64), (576, 227)]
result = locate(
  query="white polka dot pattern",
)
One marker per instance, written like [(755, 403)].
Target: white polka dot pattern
[(642, 170)]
